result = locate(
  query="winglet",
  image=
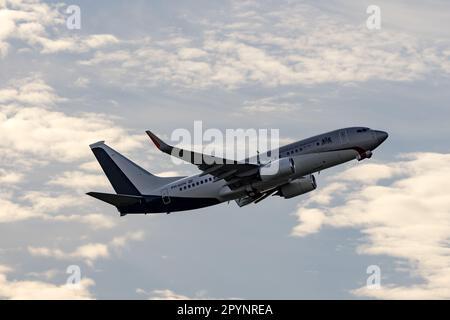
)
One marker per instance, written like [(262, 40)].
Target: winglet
[(161, 145), (97, 144)]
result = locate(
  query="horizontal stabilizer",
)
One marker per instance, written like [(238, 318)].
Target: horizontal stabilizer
[(118, 200)]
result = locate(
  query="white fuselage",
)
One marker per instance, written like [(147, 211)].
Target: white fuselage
[(310, 155)]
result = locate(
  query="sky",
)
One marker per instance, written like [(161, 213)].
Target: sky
[(303, 67)]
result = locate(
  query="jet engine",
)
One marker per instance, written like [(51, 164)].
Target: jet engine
[(277, 169), (298, 187)]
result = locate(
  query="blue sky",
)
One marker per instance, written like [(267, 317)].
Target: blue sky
[(300, 67)]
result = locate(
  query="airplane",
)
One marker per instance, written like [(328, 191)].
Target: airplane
[(222, 180)]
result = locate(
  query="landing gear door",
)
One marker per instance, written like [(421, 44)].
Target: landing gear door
[(165, 196)]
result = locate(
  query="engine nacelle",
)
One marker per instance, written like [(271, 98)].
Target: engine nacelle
[(276, 169), (298, 187)]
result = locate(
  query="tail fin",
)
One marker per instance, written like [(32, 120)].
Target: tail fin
[(126, 177)]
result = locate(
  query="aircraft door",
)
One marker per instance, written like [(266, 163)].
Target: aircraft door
[(344, 136), (165, 196)]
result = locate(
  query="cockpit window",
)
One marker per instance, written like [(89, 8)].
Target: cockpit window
[(362, 130)]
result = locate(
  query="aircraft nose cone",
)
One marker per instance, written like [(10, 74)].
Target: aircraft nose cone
[(381, 136)]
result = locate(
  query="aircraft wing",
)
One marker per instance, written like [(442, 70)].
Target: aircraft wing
[(236, 173)]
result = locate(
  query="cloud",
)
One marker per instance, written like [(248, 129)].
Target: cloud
[(76, 44), (50, 134), (30, 128), (291, 44), (48, 274), (79, 180), (274, 104), (88, 252), (310, 221), (405, 216), (34, 134), (41, 25), (369, 173), (48, 206), (95, 221), (12, 212), (121, 242), (191, 53), (39, 290), (9, 177), (166, 295), (29, 91)]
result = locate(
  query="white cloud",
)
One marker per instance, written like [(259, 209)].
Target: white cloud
[(79, 180), (48, 206), (370, 173), (44, 202), (12, 212), (291, 44), (325, 194), (93, 220), (310, 220), (33, 134), (88, 252), (9, 177), (41, 25), (50, 134), (406, 217), (275, 104), (76, 44), (191, 53), (48, 274), (30, 129), (37, 290), (29, 91), (121, 241), (91, 166), (166, 295)]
